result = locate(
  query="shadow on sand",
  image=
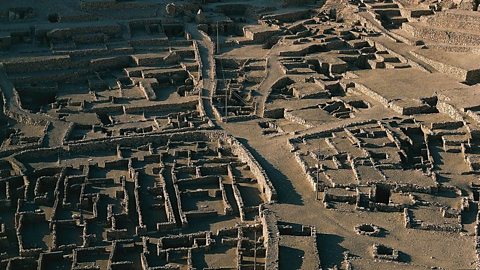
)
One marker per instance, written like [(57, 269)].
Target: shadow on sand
[(330, 250), (290, 258)]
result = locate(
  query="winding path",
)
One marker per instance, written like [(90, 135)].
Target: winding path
[(206, 51)]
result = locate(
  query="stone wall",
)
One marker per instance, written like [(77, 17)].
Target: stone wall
[(446, 36), (270, 238), (38, 64), (89, 5), (470, 76), (244, 155)]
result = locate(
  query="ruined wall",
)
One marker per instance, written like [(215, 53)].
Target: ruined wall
[(270, 238), (244, 155)]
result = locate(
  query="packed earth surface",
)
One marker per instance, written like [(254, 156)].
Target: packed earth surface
[(225, 134)]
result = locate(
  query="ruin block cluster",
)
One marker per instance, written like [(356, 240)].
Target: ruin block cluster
[(292, 134)]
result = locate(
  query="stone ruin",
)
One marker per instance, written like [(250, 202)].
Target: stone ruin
[(292, 134), (131, 194)]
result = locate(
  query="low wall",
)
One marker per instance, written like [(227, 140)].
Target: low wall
[(271, 239), (239, 150)]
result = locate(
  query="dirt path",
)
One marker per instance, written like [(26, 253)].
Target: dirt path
[(208, 74)]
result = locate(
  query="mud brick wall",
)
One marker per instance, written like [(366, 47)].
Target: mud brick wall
[(469, 76), (244, 155), (136, 140), (450, 110), (290, 16), (110, 62), (67, 133), (441, 228), (65, 33), (271, 239), (226, 205), (239, 201), (68, 75), (198, 60), (375, 96), (289, 116), (183, 217), (149, 42), (328, 197), (38, 64), (113, 4), (146, 85), (189, 105), (213, 69), (442, 35), (477, 242), (275, 113), (312, 180)]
